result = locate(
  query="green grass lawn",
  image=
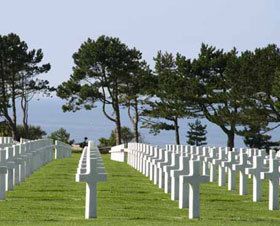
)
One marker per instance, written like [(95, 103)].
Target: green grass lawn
[(51, 196)]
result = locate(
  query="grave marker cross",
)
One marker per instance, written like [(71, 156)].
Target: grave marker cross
[(194, 179), (255, 171), (231, 174), (243, 178), (273, 176), (94, 173)]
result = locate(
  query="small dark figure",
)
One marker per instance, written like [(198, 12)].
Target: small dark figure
[(84, 143)]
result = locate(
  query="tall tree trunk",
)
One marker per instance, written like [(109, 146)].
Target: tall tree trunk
[(118, 126), (24, 107), (15, 134), (136, 120), (177, 135), (118, 133), (230, 139), (14, 110), (136, 132), (116, 107)]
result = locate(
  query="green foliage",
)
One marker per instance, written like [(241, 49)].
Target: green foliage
[(107, 142), (61, 135), (255, 137), (214, 88), (156, 126), (230, 89), (102, 68), (197, 134), (135, 94), (4, 129), (168, 102), (127, 136), (18, 70), (234, 90), (35, 132)]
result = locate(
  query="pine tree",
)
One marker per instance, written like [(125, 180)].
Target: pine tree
[(197, 134), (102, 68), (254, 137)]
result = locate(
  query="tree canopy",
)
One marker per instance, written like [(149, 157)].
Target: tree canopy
[(19, 67), (102, 68), (61, 135), (239, 92)]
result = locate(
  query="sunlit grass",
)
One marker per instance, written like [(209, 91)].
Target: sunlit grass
[(51, 196)]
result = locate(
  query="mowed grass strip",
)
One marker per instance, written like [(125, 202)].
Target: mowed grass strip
[(52, 197)]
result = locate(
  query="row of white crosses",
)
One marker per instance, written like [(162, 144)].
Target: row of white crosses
[(91, 170), (173, 169), (19, 160), (62, 150), (181, 169), (6, 142)]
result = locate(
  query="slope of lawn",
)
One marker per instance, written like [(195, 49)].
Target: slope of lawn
[(51, 196)]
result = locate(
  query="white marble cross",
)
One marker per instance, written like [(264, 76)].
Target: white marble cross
[(10, 167), (160, 158), (139, 157), (194, 179), (203, 157), (140, 151), (273, 176), (221, 170), (133, 158), (28, 169), (241, 166), (231, 173), (209, 159), (24, 161), (148, 160), (160, 165), (17, 161), (145, 152), (173, 166), (152, 165), (255, 171), (3, 171), (262, 153), (94, 172), (180, 191)]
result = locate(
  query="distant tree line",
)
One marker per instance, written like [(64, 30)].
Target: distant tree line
[(62, 135), (34, 132), (238, 92), (126, 134)]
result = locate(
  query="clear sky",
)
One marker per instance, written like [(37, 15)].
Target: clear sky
[(60, 26)]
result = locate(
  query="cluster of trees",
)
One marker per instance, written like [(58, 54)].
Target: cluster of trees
[(126, 134), (232, 90), (34, 132), (19, 83), (62, 135), (239, 92)]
